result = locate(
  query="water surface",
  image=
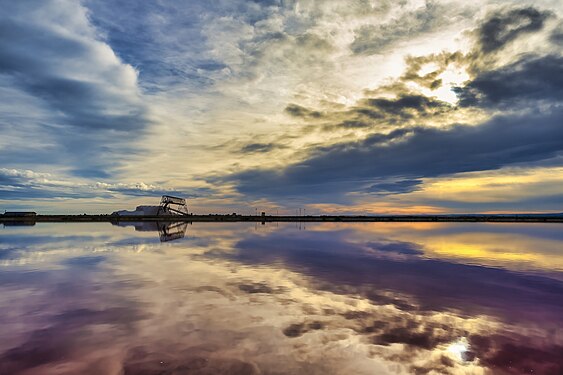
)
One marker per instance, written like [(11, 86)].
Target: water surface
[(241, 298)]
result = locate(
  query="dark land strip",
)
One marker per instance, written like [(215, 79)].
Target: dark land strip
[(500, 218)]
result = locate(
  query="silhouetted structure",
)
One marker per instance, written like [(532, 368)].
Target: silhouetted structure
[(179, 204), (169, 205)]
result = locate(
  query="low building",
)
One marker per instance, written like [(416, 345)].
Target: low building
[(141, 211), (168, 206), (20, 213)]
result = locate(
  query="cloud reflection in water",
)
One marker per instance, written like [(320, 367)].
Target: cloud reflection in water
[(227, 298)]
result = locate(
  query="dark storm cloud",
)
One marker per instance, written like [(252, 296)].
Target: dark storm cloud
[(525, 82), (504, 27), (410, 154)]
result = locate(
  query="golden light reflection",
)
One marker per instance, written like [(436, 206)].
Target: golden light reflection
[(501, 244)]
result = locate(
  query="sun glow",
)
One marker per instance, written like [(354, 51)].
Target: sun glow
[(452, 77), (459, 349)]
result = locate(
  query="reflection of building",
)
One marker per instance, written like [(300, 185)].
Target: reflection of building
[(168, 231), (19, 223), (172, 231)]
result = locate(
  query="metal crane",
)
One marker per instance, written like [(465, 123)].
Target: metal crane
[(179, 204)]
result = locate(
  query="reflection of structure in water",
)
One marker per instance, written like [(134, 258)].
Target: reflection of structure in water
[(172, 231), (19, 223), (168, 231), (28, 218)]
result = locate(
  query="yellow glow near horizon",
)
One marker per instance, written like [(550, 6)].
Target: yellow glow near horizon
[(497, 186)]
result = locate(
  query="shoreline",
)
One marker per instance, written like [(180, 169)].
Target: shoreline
[(497, 218)]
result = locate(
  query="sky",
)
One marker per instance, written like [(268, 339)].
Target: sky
[(350, 107)]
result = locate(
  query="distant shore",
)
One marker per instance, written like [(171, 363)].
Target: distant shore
[(500, 218)]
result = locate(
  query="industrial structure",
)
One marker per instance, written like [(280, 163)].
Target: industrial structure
[(169, 205), (172, 205)]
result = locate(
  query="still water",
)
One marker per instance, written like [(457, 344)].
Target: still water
[(238, 298)]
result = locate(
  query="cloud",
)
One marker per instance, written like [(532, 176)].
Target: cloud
[(372, 39), (299, 111), (503, 27), (26, 184), (157, 40), (411, 135), (396, 187), (407, 106), (340, 291), (556, 36), (114, 90), (258, 147), (409, 154), (335, 262), (431, 79), (146, 190), (527, 82), (89, 98)]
